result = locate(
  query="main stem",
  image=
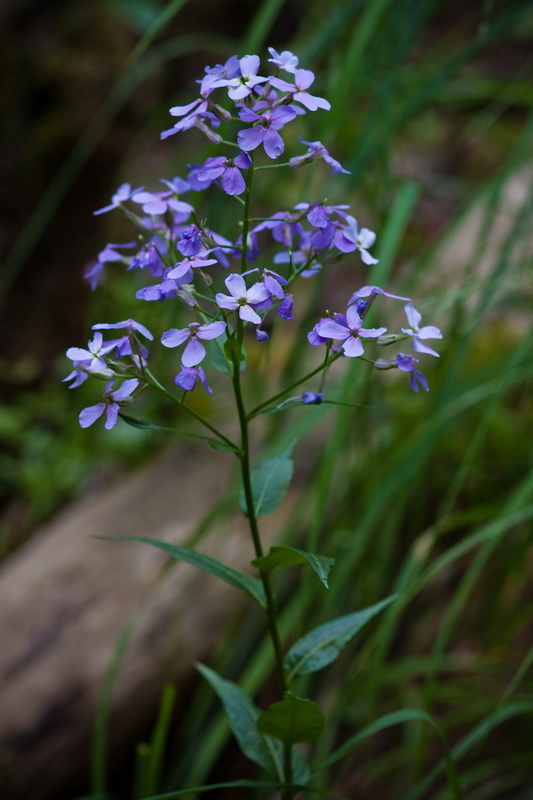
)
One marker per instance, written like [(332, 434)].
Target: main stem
[(288, 793), (244, 455)]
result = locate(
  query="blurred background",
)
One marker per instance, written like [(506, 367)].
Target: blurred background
[(429, 496)]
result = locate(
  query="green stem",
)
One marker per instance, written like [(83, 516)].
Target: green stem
[(292, 386), (252, 521), (155, 383)]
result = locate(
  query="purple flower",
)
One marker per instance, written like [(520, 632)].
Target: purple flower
[(159, 202), (228, 169), (195, 351), (123, 193), (129, 324), (187, 378), (94, 273), (312, 398), (110, 406), (317, 150), (79, 374), (148, 256), (242, 85), (94, 356), (242, 298), (347, 330), (285, 307), (303, 78), (266, 132), (407, 363), (189, 243), (285, 60), (282, 226), (350, 238), (189, 263), (198, 117), (213, 74), (427, 332)]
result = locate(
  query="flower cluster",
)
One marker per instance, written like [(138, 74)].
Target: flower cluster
[(181, 257)]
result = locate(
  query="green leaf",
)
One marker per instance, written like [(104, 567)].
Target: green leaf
[(270, 482), (322, 645), (280, 556), (242, 717), (246, 583), (292, 720), (216, 444)]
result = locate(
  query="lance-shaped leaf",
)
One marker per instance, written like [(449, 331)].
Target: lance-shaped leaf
[(246, 583), (270, 482), (242, 717), (280, 556), (292, 720), (322, 645), (216, 444)]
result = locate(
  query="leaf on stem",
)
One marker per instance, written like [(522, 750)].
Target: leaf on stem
[(216, 444), (281, 556), (242, 717), (270, 483), (322, 645), (246, 583), (292, 720)]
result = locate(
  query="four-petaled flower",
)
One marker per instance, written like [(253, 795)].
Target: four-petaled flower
[(303, 78), (417, 334), (347, 330), (243, 299), (110, 405), (350, 238), (266, 131), (195, 351), (93, 358), (228, 170), (285, 60), (122, 195), (188, 376), (317, 150), (242, 85)]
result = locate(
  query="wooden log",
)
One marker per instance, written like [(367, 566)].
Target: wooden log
[(66, 595)]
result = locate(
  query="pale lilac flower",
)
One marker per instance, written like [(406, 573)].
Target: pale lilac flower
[(317, 150), (242, 85), (371, 292), (189, 263), (122, 195), (347, 330), (303, 78), (159, 202), (188, 377), (214, 74), (350, 238), (265, 133), (286, 60), (427, 332), (148, 256), (273, 281), (129, 324), (242, 299), (108, 255), (110, 406), (94, 355), (78, 375), (228, 170), (199, 118), (195, 351), (283, 227)]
